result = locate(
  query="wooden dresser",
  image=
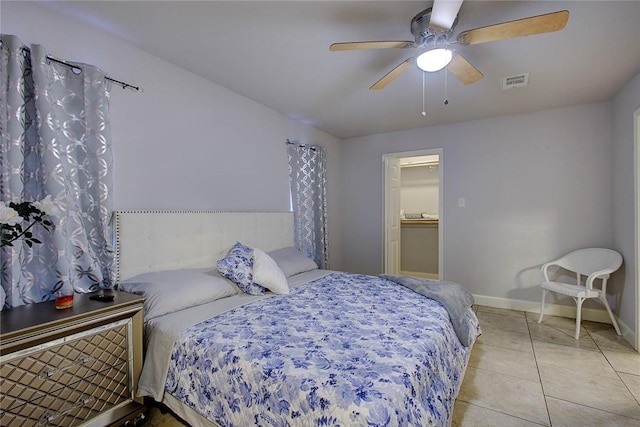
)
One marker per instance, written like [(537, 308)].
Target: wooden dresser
[(78, 366)]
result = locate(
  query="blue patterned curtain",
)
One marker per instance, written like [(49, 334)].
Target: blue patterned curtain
[(55, 141), (307, 181)]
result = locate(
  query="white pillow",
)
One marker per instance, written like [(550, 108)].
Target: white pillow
[(291, 261), (173, 290), (267, 273)]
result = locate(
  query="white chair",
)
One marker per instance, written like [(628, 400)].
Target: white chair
[(594, 263)]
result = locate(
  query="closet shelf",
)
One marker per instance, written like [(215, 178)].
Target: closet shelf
[(430, 222)]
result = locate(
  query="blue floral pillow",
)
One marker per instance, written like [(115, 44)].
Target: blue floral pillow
[(238, 267)]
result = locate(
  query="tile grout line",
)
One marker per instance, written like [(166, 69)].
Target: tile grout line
[(500, 412), (535, 358), (637, 399), (591, 407)]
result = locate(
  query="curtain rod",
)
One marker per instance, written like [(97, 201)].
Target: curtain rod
[(60, 61), (301, 145)]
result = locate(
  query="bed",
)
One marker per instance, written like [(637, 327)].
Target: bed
[(322, 348)]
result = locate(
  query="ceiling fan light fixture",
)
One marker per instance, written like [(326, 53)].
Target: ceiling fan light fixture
[(434, 59)]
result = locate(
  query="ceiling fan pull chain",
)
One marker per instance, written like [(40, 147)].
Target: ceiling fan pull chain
[(446, 98), (424, 111)]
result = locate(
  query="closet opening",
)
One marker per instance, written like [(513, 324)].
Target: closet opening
[(412, 233)]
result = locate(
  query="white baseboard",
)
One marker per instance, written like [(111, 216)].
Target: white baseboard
[(590, 314)]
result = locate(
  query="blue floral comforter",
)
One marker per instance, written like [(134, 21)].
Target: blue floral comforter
[(343, 350)]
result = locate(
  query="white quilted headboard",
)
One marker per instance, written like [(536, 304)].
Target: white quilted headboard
[(168, 240)]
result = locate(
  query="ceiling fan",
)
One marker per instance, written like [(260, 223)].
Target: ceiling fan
[(433, 32)]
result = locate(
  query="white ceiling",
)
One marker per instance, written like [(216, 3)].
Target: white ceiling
[(277, 53)]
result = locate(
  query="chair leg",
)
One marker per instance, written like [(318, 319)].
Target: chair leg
[(544, 293), (613, 319), (579, 302)]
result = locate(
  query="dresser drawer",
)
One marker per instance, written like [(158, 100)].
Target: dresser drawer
[(75, 403), (67, 381)]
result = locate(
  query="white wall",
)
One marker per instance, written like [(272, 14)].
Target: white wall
[(419, 189), (185, 142), (536, 185), (623, 286)]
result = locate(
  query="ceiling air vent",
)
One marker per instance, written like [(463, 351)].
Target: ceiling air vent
[(512, 82)]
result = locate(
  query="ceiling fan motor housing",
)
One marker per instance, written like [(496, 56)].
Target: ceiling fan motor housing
[(429, 37)]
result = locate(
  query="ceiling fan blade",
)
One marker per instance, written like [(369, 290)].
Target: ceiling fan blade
[(521, 27), (371, 45), (392, 75), (463, 70), (444, 13)]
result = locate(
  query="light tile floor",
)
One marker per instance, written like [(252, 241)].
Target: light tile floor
[(524, 374)]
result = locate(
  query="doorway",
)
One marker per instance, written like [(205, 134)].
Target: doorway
[(413, 220)]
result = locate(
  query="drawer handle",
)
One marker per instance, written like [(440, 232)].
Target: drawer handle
[(80, 360), (47, 418)]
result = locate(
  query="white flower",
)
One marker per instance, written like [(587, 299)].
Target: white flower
[(47, 206), (9, 215)]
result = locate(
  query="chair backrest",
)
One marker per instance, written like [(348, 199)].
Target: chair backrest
[(589, 260)]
